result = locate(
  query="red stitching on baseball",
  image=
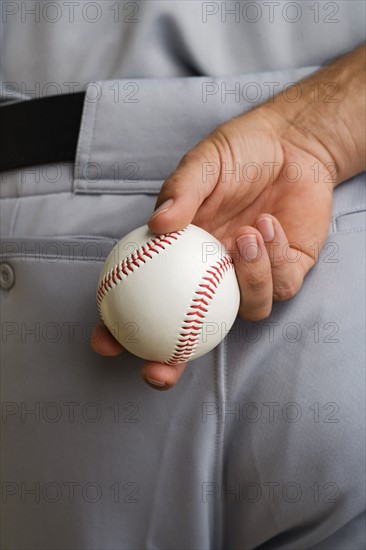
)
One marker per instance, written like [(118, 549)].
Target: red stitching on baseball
[(126, 266), (189, 334), (192, 327)]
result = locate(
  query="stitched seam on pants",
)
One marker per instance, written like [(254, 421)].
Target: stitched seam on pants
[(220, 392), (84, 136), (361, 208), (14, 218), (91, 142)]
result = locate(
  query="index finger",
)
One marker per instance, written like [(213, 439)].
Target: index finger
[(185, 190)]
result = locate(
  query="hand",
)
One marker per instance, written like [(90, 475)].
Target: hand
[(262, 184), (255, 220)]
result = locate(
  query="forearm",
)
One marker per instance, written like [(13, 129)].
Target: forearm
[(328, 114)]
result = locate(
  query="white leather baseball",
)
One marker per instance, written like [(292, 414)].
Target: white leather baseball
[(168, 298)]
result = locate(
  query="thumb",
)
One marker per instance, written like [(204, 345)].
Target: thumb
[(186, 188)]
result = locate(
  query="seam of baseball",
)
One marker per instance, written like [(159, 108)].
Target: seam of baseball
[(134, 261), (191, 328)]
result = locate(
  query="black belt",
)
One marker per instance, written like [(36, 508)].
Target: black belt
[(40, 131)]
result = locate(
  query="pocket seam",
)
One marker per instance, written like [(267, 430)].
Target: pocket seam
[(345, 213)]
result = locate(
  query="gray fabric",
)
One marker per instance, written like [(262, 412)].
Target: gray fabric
[(260, 444), (59, 49)]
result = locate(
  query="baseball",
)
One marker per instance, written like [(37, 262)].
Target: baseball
[(168, 298)]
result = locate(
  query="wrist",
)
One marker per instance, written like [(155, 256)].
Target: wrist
[(324, 114)]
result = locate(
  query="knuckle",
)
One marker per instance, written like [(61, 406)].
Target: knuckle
[(278, 261), (284, 292), (190, 156), (195, 155), (204, 153), (288, 285), (170, 186), (257, 282)]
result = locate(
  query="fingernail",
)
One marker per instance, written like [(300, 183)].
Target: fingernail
[(266, 228), (156, 382), (248, 247), (162, 208)]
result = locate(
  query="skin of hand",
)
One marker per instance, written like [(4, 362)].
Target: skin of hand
[(262, 184)]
